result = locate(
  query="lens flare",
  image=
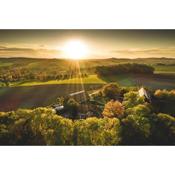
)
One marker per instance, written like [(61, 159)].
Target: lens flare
[(75, 50)]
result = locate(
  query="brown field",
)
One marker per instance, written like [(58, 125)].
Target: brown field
[(13, 98)]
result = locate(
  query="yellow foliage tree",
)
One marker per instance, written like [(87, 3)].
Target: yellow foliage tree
[(113, 109)]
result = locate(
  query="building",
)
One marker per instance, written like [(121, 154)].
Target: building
[(58, 108), (143, 93)]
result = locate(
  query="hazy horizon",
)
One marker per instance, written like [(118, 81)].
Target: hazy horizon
[(99, 44)]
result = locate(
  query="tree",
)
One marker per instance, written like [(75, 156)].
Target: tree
[(136, 127), (113, 109), (164, 101), (136, 130), (111, 91), (132, 99), (140, 110), (72, 106), (53, 129), (94, 131), (163, 132), (132, 68)]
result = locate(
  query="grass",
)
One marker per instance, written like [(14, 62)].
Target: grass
[(124, 80), (91, 79), (5, 64), (159, 81), (165, 69)]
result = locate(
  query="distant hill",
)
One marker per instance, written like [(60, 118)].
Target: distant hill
[(51, 65)]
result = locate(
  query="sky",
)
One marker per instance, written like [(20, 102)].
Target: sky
[(99, 43)]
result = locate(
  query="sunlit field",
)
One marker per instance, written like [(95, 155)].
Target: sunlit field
[(91, 79), (123, 80)]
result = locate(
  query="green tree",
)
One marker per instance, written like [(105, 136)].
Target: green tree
[(94, 131), (136, 127), (163, 131), (54, 129), (111, 91), (132, 99), (164, 101), (72, 106)]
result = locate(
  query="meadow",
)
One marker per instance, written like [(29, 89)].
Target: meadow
[(35, 93)]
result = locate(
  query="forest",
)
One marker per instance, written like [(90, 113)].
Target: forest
[(124, 118), (124, 69)]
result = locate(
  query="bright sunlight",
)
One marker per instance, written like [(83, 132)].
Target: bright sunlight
[(75, 49)]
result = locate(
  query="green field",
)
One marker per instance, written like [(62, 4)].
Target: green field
[(30, 94), (91, 79), (155, 82), (165, 69)]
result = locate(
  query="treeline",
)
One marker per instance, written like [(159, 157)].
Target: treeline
[(42, 127), (23, 74), (126, 118), (131, 122), (132, 68)]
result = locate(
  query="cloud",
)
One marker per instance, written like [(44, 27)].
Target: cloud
[(2, 47), (153, 52), (28, 52)]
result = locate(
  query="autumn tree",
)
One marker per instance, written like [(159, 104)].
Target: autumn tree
[(113, 109)]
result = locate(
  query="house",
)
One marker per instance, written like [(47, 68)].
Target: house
[(143, 93), (58, 108)]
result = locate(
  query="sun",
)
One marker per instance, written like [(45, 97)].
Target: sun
[(75, 50)]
